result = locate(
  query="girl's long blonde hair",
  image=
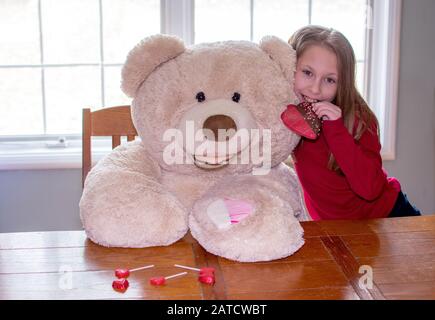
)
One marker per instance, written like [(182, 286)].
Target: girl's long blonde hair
[(348, 98)]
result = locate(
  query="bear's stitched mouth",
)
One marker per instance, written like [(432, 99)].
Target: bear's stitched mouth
[(211, 163)]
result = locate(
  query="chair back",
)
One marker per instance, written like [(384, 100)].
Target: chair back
[(115, 122)]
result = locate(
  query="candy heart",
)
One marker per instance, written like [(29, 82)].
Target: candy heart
[(238, 209), (120, 285), (302, 120), (207, 279), (158, 281), (122, 273), (206, 272)]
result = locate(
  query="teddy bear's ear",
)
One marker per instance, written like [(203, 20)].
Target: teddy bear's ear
[(145, 57), (282, 53)]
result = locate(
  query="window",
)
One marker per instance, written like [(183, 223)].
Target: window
[(64, 55), (383, 72), (253, 19)]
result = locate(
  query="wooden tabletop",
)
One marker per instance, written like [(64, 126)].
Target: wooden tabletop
[(336, 262)]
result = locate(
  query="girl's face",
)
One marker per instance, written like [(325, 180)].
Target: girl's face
[(316, 75)]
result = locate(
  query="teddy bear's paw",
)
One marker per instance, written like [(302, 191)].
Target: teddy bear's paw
[(141, 218), (249, 230), (227, 212)]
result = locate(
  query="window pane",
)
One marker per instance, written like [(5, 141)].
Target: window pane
[(125, 23), (19, 32), (279, 18), (21, 101), (348, 17), (217, 20), (360, 77), (70, 31), (68, 91), (112, 88)]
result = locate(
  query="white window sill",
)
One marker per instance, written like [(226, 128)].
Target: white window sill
[(27, 155)]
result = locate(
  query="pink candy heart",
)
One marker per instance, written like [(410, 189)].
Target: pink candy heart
[(238, 209)]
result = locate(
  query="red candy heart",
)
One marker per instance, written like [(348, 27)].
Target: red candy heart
[(206, 272), (302, 120), (207, 279), (122, 273), (206, 275), (158, 281), (120, 285)]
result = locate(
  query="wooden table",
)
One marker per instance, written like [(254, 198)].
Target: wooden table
[(400, 253)]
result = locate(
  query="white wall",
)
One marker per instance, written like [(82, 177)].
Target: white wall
[(415, 142), (40, 200)]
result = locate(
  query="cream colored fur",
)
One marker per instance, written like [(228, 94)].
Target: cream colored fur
[(134, 198)]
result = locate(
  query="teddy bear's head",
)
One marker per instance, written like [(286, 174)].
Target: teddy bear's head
[(211, 108)]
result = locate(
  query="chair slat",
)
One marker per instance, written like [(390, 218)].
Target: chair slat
[(116, 141), (86, 144)]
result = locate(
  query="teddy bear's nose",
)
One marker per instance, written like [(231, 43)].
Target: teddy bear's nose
[(219, 121)]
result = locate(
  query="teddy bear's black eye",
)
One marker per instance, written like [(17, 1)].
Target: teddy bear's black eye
[(236, 97), (200, 96)]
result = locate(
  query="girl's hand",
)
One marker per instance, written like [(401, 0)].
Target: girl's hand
[(326, 110)]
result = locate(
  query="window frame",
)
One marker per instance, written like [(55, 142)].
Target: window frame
[(177, 17), (382, 76)]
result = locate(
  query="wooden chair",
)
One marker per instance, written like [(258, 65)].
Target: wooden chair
[(114, 122)]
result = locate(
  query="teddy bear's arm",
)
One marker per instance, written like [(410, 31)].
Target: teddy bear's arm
[(291, 189), (124, 204)]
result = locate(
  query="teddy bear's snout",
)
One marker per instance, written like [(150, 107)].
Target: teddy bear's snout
[(219, 122), (216, 131)]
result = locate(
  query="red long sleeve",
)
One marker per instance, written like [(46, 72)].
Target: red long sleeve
[(360, 161), (364, 191)]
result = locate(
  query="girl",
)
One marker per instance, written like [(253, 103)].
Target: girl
[(340, 172)]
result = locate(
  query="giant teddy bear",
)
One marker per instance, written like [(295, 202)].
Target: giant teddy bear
[(231, 190)]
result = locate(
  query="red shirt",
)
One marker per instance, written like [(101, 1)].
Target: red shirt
[(364, 191)]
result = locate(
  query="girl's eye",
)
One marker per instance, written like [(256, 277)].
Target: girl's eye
[(307, 72), (330, 80)]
